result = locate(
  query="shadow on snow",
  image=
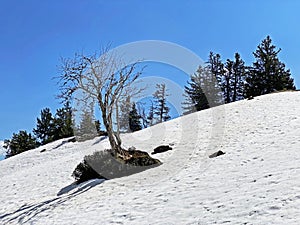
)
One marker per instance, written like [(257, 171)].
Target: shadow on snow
[(27, 212)]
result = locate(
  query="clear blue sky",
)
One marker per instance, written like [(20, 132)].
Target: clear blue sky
[(34, 34)]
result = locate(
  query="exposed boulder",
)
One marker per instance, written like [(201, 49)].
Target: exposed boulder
[(216, 154), (73, 139), (105, 165), (161, 148)]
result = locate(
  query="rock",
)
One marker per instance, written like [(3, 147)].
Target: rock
[(162, 148), (73, 139), (105, 165), (216, 154), (43, 150), (132, 148)]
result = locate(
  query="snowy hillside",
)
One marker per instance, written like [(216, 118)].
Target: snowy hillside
[(2, 150), (257, 181)]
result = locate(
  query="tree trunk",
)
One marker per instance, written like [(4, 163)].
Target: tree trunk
[(114, 141)]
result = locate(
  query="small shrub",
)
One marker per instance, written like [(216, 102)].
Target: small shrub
[(84, 172), (104, 165)]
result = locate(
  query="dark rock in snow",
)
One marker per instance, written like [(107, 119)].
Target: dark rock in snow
[(132, 148), (106, 165), (218, 153), (162, 148), (73, 139)]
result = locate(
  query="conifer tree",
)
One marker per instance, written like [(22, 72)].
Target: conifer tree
[(19, 143), (63, 122), (212, 77), (232, 79), (134, 119), (125, 107), (215, 66), (202, 91), (195, 97), (98, 127), (150, 117), (268, 73), (87, 126), (161, 110), (45, 127), (225, 81), (238, 79)]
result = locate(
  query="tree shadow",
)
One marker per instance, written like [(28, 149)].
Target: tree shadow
[(27, 212), (73, 139)]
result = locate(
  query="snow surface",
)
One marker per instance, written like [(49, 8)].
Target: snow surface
[(2, 150), (257, 181)]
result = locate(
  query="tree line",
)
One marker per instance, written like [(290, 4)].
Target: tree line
[(51, 127), (214, 83), (235, 80)]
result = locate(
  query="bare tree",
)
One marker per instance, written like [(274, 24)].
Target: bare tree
[(102, 78), (142, 112), (160, 97)]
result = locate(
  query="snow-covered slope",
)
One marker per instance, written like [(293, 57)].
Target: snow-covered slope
[(2, 150), (257, 181)]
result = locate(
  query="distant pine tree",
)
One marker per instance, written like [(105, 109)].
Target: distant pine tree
[(150, 117), (238, 78), (202, 91), (45, 128), (226, 81), (19, 143), (98, 126), (215, 66), (161, 110), (134, 119), (212, 77), (87, 127), (195, 97), (63, 122), (268, 73), (125, 107), (232, 80)]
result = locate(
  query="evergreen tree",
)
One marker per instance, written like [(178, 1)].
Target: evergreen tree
[(125, 106), (195, 97), (212, 77), (134, 119), (268, 73), (19, 143), (87, 127), (225, 81), (161, 110), (215, 66), (232, 80), (45, 127), (203, 91), (63, 122), (238, 79), (98, 126), (150, 117)]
